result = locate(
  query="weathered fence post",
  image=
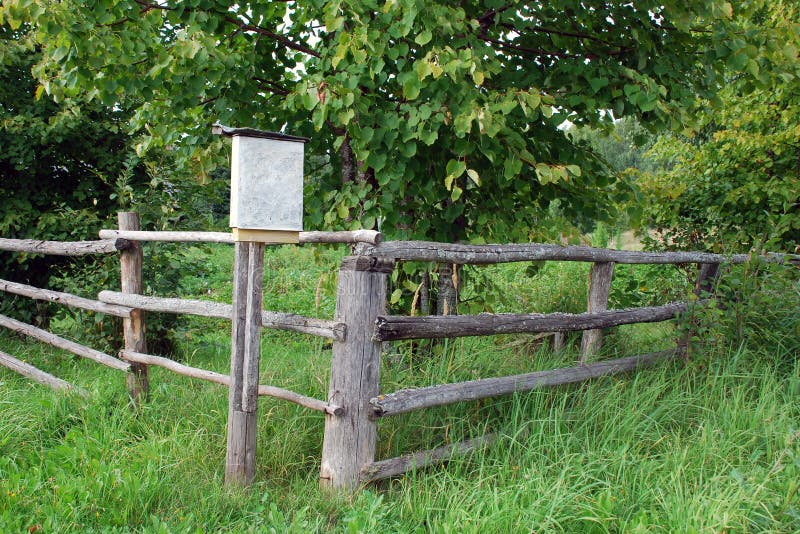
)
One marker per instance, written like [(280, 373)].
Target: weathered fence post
[(349, 442), (600, 277), (133, 329), (706, 276), (248, 274)]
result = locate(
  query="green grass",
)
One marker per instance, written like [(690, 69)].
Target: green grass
[(710, 446)]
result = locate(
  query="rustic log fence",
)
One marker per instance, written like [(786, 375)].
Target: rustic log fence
[(360, 326)]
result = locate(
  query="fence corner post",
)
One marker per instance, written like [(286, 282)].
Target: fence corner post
[(600, 277), (349, 442), (133, 328)]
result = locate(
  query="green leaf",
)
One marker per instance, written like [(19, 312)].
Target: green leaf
[(411, 88), (343, 211), (424, 37), (474, 176), (456, 167), (397, 294), (574, 170), (512, 167), (455, 194)]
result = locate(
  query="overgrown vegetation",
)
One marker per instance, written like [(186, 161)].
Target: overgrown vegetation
[(711, 445)]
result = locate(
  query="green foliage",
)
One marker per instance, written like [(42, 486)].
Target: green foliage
[(622, 146), (733, 184), (435, 120), (753, 305)]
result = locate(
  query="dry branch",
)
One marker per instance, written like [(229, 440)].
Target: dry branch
[(407, 400), (56, 341), (225, 380), (58, 248), (27, 370), (390, 327), (419, 460), (275, 320), (64, 298)]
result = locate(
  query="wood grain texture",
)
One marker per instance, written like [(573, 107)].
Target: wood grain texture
[(225, 380), (65, 344), (389, 328), (66, 299), (37, 375), (600, 276), (240, 455), (133, 327), (349, 441), (58, 248), (269, 319), (420, 460), (408, 400), (252, 336), (488, 254), (355, 236)]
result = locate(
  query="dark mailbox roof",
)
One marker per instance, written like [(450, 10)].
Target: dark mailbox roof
[(227, 131)]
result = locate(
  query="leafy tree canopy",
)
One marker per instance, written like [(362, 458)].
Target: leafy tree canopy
[(439, 119), (735, 182)]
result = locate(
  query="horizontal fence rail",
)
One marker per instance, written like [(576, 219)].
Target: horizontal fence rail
[(37, 375), (419, 460), (391, 327), (407, 400), (58, 248), (275, 320), (489, 254), (355, 236), (56, 341), (225, 380), (67, 299)]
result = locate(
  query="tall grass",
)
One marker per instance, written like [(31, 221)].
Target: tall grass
[(707, 446)]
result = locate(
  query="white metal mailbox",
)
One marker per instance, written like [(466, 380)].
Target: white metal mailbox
[(266, 185)]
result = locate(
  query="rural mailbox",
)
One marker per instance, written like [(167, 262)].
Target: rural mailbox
[(266, 185)]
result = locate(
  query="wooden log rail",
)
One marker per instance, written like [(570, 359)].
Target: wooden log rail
[(29, 371), (489, 254), (64, 298), (276, 320), (391, 328), (225, 380), (65, 344), (420, 460), (59, 248), (370, 237), (407, 400)]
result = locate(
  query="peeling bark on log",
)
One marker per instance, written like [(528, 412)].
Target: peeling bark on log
[(390, 328)]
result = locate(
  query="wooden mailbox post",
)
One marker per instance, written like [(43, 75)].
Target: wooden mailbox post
[(266, 208)]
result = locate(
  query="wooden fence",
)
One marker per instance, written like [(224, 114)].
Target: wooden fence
[(358, 329)]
